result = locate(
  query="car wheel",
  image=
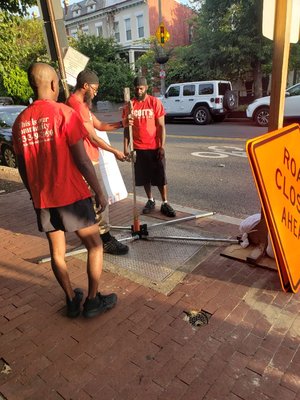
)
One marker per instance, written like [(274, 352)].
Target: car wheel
[(230, 100), (202, 116), (9, 157), (219, 118), (261, 116)]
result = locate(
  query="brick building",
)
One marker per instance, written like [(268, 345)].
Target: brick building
[(130, 22)]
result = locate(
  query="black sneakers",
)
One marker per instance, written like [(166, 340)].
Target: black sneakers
[(73, 306), (149, 206), (113, 246), (167, 210), (99, 304)]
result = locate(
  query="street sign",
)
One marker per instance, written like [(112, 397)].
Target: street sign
[(275, 163), (74, 62), (162, 34), (162, 73)]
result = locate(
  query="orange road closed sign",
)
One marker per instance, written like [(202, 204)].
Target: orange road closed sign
[(275, 163)]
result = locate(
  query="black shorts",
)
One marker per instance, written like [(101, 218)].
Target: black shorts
[(68, 218), (148, 169)]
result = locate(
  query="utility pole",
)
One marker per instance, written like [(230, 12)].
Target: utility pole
[(53, 20), (161, 66)]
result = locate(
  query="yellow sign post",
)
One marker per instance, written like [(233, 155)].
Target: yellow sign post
[(162, 34), (275, 164)]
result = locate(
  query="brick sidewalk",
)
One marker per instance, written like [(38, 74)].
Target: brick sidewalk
[(143, 349)]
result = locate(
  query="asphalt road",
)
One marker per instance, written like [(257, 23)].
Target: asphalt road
[(207, 167)]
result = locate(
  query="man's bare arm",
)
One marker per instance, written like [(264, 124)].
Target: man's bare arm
[(22, 171), (161, 132), (106, 126), (97, 141), (126, 140)]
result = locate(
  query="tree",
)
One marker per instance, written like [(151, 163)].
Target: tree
[(21, 43), (107, 60), (228, 42), (16, 6)]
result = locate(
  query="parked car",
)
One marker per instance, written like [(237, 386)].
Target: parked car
[(6, 101), (259, 109), (8, 114), (204, 101)]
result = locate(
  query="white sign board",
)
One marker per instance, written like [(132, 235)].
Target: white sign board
[(110, 172), (74, 62)]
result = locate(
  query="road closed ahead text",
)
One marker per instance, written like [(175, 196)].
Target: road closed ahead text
[(287, 181)]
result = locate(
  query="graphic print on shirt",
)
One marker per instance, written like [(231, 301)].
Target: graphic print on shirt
[(145, 113), (35, 131)]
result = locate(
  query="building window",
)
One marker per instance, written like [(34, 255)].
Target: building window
[(73, 33), (117, 31), (140, 25), (99, 30), (85, 30), (76, 13), (128, 29), (91, 8)]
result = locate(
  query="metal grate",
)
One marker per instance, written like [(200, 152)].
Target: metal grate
[(157, 260)]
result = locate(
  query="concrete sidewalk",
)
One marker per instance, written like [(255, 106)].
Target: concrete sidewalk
[(144, 349)]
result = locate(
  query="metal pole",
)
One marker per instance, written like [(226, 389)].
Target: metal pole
[(57, 48), (174, 221), (282, 28), (194, 239), (162, 79), (136, 222)]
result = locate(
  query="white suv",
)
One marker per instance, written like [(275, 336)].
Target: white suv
[(259, 110), (204, 101)]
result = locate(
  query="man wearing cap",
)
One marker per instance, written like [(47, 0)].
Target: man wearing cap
[(149, 135), (81, 100)]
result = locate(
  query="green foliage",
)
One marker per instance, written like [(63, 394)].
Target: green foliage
[(228, 37), (16, 84), (113, 71), (96, 47), (294, 63), (21, 43), (146, 66), (16, 6), (227, 44)]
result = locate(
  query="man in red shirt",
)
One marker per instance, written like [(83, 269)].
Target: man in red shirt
[(149, 135), (48, 141), (86, 89)]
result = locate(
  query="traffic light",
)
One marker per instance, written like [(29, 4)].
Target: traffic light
[(162, 34)]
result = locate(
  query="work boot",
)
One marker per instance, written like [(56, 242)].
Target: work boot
[(73, 306), (98, 304), (113, 246), (149, 206), (167, 210)]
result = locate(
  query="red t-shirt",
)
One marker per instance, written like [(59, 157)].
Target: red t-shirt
[(144, 130), (43, 133), (86, 116)]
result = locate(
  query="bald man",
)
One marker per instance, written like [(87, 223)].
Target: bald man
[(52, 161)]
